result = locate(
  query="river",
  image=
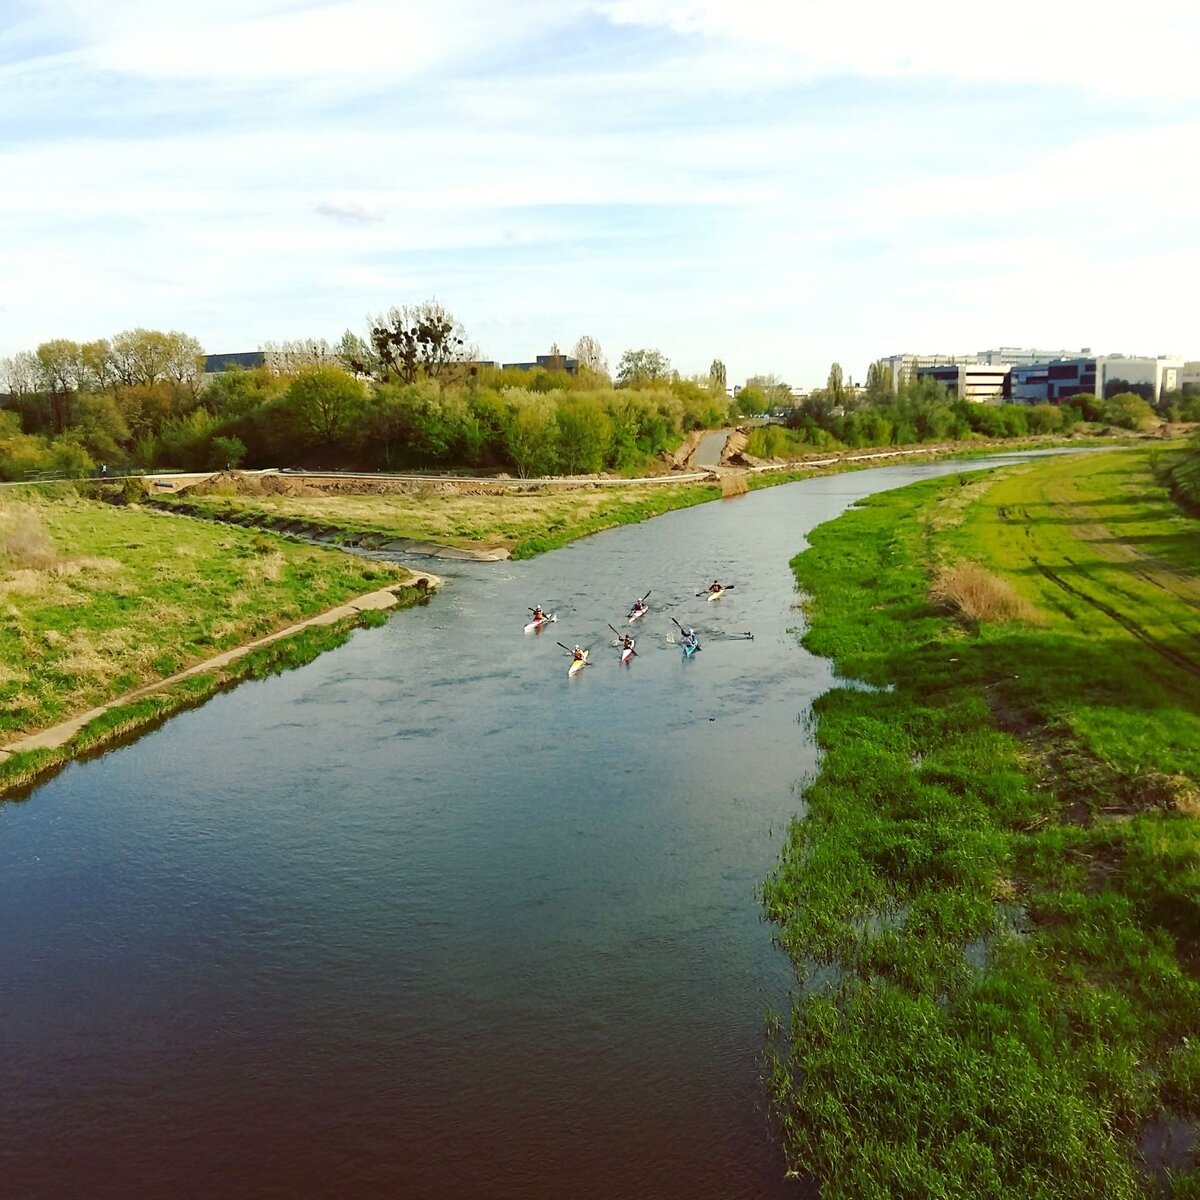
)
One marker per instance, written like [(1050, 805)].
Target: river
[(426, 918)]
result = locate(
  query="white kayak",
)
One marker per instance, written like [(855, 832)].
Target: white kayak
[(635, 613), (627, 653), (577, 664), (534, 625), (717, 594)]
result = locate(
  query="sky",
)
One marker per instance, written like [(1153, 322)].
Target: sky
[(776, 184)]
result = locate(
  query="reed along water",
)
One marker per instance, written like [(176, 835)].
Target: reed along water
[(427, 918)]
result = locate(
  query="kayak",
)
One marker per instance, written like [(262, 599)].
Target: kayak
[(717, 594), (635, 613), (627, 654), (577, 664), (534, 625), (690, 648)]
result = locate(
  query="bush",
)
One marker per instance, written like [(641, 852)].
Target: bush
[(977, 594), (1130, 411)]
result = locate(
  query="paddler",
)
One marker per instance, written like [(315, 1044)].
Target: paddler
[(627, 643), (689, 636), (715, 587), (578, 654), (639, 605), (538, 615)]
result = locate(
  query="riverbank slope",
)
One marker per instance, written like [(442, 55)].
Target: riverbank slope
[(993, 900), (103, 601)]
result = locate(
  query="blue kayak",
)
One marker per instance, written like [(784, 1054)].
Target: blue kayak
[(690, 648)]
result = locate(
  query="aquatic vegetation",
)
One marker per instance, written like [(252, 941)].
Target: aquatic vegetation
[(1000, 857)]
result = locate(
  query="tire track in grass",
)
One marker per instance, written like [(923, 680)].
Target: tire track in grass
[(1177, 659)]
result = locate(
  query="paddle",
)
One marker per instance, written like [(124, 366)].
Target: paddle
[(571, 652), (725, 587)]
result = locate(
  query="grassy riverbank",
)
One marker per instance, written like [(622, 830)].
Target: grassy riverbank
[(100, 600), (523, 523), (488, 518), (993, 902)]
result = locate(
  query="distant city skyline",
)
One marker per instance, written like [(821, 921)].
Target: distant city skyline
[(779, 185)]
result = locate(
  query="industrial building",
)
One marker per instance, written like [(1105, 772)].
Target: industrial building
[(1101, 375), (1037, 377)]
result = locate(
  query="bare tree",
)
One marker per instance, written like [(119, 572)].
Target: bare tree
[(418, 341), (288, 358), (590, 357), (20, 374)]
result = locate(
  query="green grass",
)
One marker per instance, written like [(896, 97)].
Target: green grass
[(23, 770), (523, 522), (1000, 858), (130, 596)]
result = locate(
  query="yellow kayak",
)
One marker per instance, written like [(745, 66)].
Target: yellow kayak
[(577, 664)]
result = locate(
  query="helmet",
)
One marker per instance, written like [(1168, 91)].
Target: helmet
[(576, 645)]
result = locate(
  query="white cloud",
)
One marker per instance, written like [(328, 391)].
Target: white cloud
[(1115, 50), (257, 170)]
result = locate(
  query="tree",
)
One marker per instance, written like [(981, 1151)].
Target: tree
[(532, 432), (751, 399), (358, 356), (718, 377), (590, 357), (227, 452), (419, 341), (185, 360), (20, 375), (60, 368), (584, 435), (142, 356), (777, 393), (640, 367), (324, 402), (289, 358), (835, 385), (881, 385), (100, 427), (98, 364), (1129, 410)]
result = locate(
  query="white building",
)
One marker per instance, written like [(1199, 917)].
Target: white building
[(1101, 375), (980, 382)]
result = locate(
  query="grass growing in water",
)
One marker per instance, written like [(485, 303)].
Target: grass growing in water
[(1011, 906)]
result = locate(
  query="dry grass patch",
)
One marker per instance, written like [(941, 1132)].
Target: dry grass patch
[(268, 566), (980, 595), (951, 507), (24, 540), (734, 485)]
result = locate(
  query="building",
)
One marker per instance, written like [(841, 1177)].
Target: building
[(214, 364), (1038, 376), (554, 361), (1013, 356), (1103, 375), (983, 383), (1189, 377)]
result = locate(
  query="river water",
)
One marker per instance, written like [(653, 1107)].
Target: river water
[(426, 918)]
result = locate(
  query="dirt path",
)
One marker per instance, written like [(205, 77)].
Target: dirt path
[(58, 735)]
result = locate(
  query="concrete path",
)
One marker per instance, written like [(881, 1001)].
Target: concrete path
[(708, 453), (60, 734)]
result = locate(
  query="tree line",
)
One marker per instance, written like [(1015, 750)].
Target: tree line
[(412, 392)]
